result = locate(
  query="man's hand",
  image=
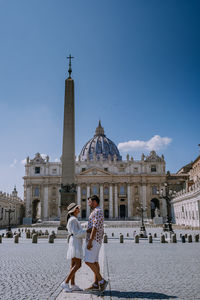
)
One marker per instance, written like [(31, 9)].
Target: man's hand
[(89, 245)]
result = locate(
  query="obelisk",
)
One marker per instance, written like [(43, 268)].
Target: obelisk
[(68, 188)]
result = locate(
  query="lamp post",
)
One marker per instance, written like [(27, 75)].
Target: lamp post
[(141, 209), (9, 211), (167, 194)]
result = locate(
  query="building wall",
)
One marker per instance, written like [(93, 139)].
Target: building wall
[(186, 204), (121, 185), (16, 204)]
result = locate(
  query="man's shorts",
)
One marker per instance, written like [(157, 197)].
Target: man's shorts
[(92, 255)]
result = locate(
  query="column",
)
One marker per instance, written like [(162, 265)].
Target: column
[(88, 195), (28, 203), (101, 198), (129, 200), (110, 201), (116, 202), (59, 201), (78, 195), (45, 206)]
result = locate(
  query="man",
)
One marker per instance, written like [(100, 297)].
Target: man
[(93, 243)]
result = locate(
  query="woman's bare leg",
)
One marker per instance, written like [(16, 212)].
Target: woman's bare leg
[(75, 265)]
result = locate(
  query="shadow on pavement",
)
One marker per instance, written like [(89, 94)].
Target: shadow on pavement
[(139, 295)]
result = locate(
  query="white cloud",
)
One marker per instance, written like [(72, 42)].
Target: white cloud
[(155, 143), (23, 162), (13, 164)]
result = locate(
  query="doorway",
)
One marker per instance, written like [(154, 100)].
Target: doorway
[(154, 205), (122, 211)]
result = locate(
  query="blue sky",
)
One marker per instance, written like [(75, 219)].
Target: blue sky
[(136, 68)]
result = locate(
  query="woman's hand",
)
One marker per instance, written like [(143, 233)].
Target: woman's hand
[(89, 245)]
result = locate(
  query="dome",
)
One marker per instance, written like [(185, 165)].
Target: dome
[(100, 147)]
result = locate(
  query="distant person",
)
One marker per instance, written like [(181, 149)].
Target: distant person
[(94, 239), (75, 249)]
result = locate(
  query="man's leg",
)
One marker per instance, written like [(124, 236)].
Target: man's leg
[(95, 268), (98, 269)]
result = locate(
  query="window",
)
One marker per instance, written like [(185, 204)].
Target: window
[(122, 190), (105, 169), (106, 200), (106, 191), (135, 170), (83, 191), (154, 190), (182, 208), (122, 200), (95, 190), (37, 170), (83, 200), (36, 192), (153, 168), (83, 169), (54, 171)]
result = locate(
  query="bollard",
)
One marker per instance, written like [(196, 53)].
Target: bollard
[(173, 238), (166, 235), (51, 238), (105, 238), (196, 238), (189, 238), (186, 235), (34, 238), (180, 235), (16, 238), (183, 239), (137, 239), (112, 233), (150, 239), (121, 238), (155, 235), (19, 234), (28, 235), (162, 238), (127, 234), (0, 239), (54, 235), (46, 232)]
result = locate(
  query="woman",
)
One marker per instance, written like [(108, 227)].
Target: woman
[(75, 251)]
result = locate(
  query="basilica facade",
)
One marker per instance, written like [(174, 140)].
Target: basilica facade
[(123, 186)]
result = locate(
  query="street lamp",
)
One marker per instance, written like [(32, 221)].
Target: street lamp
[(9, 211), (167, 194), (141, 209)]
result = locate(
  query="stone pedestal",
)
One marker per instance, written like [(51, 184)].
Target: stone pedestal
[(68, 195)]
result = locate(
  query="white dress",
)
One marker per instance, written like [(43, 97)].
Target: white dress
[(75, 248)]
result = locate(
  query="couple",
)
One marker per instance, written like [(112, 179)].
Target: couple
[(94, 236)]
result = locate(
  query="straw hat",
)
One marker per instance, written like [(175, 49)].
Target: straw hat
[(71, 208)]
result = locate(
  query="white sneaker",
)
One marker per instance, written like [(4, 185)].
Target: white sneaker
[(64, 284), (67, 288), (75, 288)]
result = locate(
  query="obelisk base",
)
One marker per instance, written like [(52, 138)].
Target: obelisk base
[(66, 199)]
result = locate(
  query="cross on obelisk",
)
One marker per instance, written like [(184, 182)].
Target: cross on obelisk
[(68, 187), (70, 64)]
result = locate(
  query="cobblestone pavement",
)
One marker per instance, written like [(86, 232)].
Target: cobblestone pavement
[(153, 271), (135, 271), (31, 271)]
